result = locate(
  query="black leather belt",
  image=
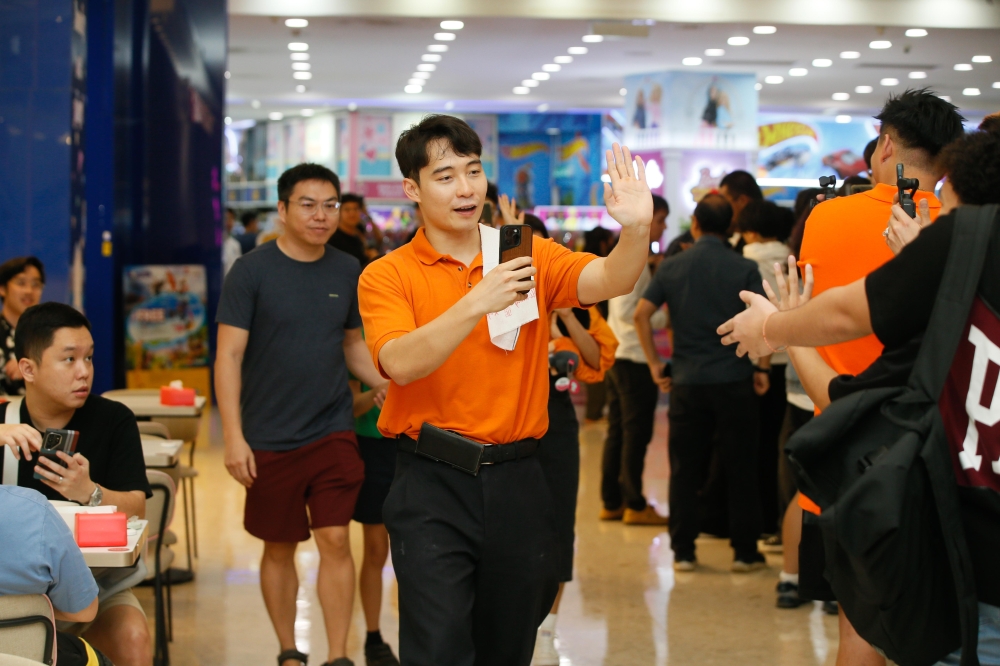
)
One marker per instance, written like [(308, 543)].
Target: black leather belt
[(461, 453)]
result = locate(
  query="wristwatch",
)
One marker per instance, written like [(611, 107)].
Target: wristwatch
[(96, 497), (762, 371)]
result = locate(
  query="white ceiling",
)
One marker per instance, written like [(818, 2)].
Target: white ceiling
[(368, 60)]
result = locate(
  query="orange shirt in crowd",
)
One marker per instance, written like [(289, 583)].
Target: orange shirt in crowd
[(481, 392), (606, 341)]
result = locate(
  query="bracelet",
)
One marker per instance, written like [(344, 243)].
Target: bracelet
[(763, 334), (762, 371)]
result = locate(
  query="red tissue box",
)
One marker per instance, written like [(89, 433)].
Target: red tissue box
[(183, 397), (101, 530)]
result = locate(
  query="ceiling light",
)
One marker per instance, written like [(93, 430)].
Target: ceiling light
[(880, 44), (352, 107), (758, 86), (774, 79), (889, 81), (843, 119), (963, 67), (916, 32), (863, 90), (298, 46), (798, 71), (917, 75), (296, 23), (563, 60), (822, 62), (444, 36), (448, 106), (521, 90), (982, 58), (437, 48), (228, 120), (308, 112), (715, 53), (623, 91), (841, 96), (300, 88), (452, 25), (691, 62), (530, 83), (593, 39), (426, 67), (255, 104), (765, 30), (542, 108), (946, 98), (996, 84), (540, 76), (551, 68), (301, 66), (738, 41), (302, 76), (431, 57), (577, 50), (421, 75), (971, 92), (275, 115), (416, 82), (850, 55), (413, 90), (299, 56)]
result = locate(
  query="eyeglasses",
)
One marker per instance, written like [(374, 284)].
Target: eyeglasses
[(309, 206)]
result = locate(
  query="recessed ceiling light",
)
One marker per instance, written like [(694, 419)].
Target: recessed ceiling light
[(889, 81), (452, 25), (300, 88), (540, 76), (302, 76), (623, 91), (738, 41), (917, 75), (764, 30), (426, 67), (530, 83), (774, 79), (421, 75), (275, 115), (996, 85), (863, 90), (308, 112), (299, 56), (413, 90), (296, 23), (444, 36), (850, 55), (593, 39), (843, 119), (298, 46), (916, 32), (448, 106), (431, 57), (542, 108), (798, 71), (301, 66), (228, 120), (758, 86), (880, 44), (982, 58), (437, 48), (416, 82), (227, 74), (822, 62), (715, 53), (577, 50), (946, 98), (551, 68), (563, 60), (963, 67), (352, 107), (255, 104), (971, 92), (521, 90), (691, 62), (841, 96)]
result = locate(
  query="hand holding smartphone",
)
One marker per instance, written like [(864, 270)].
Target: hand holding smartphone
[(55, 440), (515, 241)]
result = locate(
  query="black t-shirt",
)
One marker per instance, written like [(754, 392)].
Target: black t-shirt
[(8, 386), (352, 245), (109, 440), (901, 296)]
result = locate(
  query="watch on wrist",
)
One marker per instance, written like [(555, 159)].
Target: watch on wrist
[(762, 371), (96, 497)]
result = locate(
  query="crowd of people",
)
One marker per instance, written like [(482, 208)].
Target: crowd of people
[(451, 434)]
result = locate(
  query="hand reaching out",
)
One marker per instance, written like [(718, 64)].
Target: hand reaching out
[(789, 296), (902, 228), (508, 209), (627, 197)]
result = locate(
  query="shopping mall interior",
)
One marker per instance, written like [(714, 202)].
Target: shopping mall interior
[(141, 139)]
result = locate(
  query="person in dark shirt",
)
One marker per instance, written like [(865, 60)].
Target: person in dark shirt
[(21, 283), (349, 236), (55, 354), (251, 228)]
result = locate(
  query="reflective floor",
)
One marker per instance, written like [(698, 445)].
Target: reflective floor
[(626, 607)]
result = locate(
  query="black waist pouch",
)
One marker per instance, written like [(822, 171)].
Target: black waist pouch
[(447, 447)]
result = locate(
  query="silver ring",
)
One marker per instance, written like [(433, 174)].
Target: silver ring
[(60, 480), (885, 234)]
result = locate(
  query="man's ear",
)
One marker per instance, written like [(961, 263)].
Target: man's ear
[(28, 369), (888, 148), (282, 211), (3, 292), (412, 189)]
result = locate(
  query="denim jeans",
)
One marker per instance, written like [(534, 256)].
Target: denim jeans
[(989, 639)]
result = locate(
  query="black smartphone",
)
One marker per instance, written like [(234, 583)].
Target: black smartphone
[(55, 440), (51, 455), (515, 241)]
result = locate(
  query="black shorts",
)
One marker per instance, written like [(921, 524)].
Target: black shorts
[(379, 455), (812, 563)]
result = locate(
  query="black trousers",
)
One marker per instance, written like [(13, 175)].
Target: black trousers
[(559, 456), (474, 561), (773, 405), (632, 397), (725, 417)]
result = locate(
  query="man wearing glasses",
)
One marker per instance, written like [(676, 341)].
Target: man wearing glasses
[(289, 332)]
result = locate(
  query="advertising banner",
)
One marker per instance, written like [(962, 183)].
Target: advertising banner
[(165, 317), (702, 170), (804, 146), (525, 163), (375, 149), (578, 168)]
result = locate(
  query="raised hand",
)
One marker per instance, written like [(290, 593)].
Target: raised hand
[(628, 198), (788, 296), (747, 328), (508, 209)]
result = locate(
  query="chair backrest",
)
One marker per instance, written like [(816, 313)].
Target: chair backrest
[(27, 627), (159, 507), (11, 660), (127, 392), (154, 428)]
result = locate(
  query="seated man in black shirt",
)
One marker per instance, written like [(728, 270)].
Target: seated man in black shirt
[(54, 350)]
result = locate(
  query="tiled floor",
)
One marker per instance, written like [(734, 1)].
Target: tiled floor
[(625, 608)]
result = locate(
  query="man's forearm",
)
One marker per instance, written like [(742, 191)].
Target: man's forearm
[(131, 503), (837, 315), (359, 362), (644, 331), (228, 379), (590, 351), (617, 273), (814, 374)]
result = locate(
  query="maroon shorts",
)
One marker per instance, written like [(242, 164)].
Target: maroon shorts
[(325, 475)]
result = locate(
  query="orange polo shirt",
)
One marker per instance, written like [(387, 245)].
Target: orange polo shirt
[(606, 342), (481, 392)]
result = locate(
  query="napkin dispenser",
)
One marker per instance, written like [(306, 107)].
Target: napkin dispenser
[(176, 395), (101, 530)]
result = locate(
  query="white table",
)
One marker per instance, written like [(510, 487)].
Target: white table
[(161, 453), (148, 406), (123, 556)]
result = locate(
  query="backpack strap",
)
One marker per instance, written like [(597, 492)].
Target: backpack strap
[(10, 463)]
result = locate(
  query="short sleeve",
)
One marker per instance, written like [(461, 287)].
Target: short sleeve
[(559, 269), (239, 295), (385, 307), (127, 470), (72, 586), (656, 292)]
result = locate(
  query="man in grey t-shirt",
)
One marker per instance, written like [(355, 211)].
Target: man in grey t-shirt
[(289, 332)]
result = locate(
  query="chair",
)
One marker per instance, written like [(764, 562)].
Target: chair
[(159, 513), (27, 627), (185, 475), (154, 428)]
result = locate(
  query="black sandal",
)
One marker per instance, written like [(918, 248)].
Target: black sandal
[(293, 654)]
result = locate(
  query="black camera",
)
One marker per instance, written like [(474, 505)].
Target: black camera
[(829, 186), (907, 188), (512, 236)]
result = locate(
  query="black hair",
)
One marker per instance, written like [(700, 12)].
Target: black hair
[(536, 224), (249, 217), (38, 324), (870, 152), (659, 203), (714, 214), (740, 182), (593, 239), (413, 144), (492, 193), (767, 219), (972, 165), (301, 172), (11, 268), (991, 123), (582, 315), (350, 197), (922, 120)]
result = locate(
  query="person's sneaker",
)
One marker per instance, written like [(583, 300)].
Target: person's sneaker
[(771, 544), (685, 564), (788, 595), (755, 563), (647, 516), (380, 655), (831, 608), (545, 649), (611, 514)]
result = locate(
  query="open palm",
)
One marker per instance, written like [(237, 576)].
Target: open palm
[(628, 198)]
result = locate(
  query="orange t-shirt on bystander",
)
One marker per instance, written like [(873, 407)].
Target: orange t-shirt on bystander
[(606, 341)]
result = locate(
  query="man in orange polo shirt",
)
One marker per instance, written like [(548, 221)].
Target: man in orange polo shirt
[(473, 546), (844, 242)]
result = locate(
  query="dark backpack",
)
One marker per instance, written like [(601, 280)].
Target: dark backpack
[(877, 463)]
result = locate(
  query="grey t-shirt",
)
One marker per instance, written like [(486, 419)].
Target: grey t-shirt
[(701, 288), (295, 387)]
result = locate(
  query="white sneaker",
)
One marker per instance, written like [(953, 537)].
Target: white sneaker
[(545, 649)]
